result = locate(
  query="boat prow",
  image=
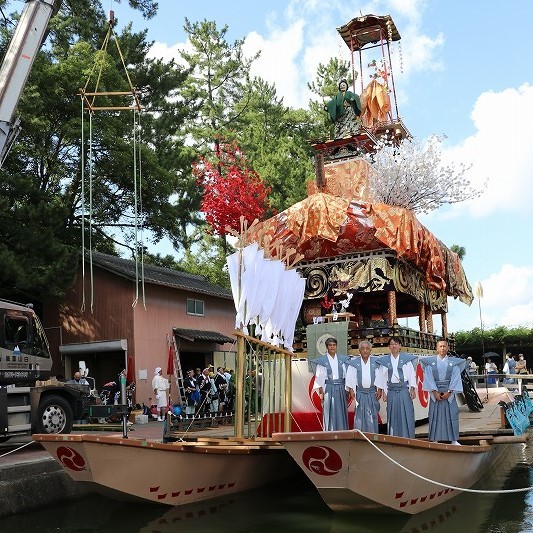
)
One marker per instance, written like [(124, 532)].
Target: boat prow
[(365, 472)]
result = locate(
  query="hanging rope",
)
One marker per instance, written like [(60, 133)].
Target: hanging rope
[(82, 207), (139, 144), (17, 449), (91, 166), (88, 100), (136, 242), (137, 192), (445, 485)]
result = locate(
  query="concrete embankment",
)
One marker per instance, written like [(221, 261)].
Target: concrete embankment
[(36, 483)]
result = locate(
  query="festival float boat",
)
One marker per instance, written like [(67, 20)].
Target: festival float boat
[(379, 264), (359, 267), (374, 473), (175, 473)]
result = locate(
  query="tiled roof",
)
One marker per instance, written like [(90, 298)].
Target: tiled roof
[(159, 275), (199, 335)]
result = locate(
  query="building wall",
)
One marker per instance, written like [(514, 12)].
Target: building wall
[(166, 308), (147, 328), (72, 320)]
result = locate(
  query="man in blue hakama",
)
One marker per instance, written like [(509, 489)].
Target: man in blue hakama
[(397, 378), (360, 382), (442, 379), (331, 384)]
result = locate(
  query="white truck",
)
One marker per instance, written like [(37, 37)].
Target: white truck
[(29, 401)]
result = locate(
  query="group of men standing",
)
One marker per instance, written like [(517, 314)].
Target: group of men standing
[(207, 392), (391, 377)]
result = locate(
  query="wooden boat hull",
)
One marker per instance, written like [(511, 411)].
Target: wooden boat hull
[(171, 474), (352, 475)]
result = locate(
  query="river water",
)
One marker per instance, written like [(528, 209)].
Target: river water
[(295, 507)]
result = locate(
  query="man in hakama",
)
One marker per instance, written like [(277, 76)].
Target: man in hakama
[(360, 382), (442, 379), (397, 378), (331, 384)]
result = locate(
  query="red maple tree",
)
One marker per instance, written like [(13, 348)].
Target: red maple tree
[(230, 189)]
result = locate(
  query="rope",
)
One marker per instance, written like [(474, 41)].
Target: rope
[(135, 212), (82, 207), (91, 170), (194, 417), (98, 68), (17, 449), (139, 141), (137, 193), (476, 491)]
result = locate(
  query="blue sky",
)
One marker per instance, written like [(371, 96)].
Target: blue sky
[(465, 73)]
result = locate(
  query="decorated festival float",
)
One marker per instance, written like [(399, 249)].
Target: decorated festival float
[(350, 265), (368, 263), (370, 266)]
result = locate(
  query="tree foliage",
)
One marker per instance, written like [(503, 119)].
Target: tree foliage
[(208, 258), (231, 190), (219, 79), (275, 140), (41, 181), (459, 250), (499, 339)]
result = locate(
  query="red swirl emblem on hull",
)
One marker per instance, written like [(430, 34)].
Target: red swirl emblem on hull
[(322, 460), (70, 458)]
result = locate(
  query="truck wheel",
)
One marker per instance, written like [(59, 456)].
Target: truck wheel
[(4, 439), (54, 415)]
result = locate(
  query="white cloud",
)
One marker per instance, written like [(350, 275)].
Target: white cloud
[(500, 151), (164, 51), (304, 35), (507, 301), (277, 63), (508, 296)]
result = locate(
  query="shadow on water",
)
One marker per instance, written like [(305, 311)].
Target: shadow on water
[(295, 506)]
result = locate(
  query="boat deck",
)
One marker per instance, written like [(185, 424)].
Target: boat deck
[(488, 420)]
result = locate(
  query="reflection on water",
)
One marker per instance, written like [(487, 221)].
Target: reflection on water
[(294, 507)]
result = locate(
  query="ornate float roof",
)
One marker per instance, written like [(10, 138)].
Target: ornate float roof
[(361, 31), (342, 219)]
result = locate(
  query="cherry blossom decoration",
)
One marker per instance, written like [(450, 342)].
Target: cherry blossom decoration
[(411, 174)]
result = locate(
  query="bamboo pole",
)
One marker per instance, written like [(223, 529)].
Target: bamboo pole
[(288, 392), (239, 393)]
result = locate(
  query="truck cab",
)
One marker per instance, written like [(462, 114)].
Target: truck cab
[(24, 351), (31, 402)]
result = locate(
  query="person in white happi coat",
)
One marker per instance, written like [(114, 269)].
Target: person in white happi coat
[(360, 382), (397, 378), (160, 385), (442, 379), (330, 371)]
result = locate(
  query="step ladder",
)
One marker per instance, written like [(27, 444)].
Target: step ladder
[(178, 373)]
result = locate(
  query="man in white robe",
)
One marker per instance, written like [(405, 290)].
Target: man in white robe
[(160, 385), (360, 382), (397, 378), (331, 384), (442, 379)]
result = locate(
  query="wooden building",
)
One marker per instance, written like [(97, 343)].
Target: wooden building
[(120, 314)]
